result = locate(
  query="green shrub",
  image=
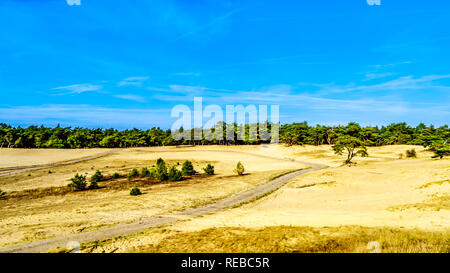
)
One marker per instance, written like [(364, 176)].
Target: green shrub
[(209, 169), (78, 182), (411, 153), (133, 174), (135, 191), (174, 174), (97, 176), (188, 168), (239, 169), (144, 172), (152, 173), (160, 171), (2, 193), (115, 175)]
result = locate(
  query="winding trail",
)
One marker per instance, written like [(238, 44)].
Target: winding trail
[(135, 227)]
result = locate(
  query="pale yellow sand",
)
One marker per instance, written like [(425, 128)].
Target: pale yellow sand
[(373, 194), (25, 157)]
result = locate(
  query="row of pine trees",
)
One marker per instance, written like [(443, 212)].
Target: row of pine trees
[(291, 134)]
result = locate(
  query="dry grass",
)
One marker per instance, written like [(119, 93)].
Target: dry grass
[(434, 183), (436, 202), (283, 239)]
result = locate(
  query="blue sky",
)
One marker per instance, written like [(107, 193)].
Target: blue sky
[(125, 64)]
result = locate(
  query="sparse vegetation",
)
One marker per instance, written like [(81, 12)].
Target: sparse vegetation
[(209, 169), (2, 193), (411, 153), (239, 168), (188, 168), (115, 175), (31, 196), (135, 191), (436, 202), (78, 182)]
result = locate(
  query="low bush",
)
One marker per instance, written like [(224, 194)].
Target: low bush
[(115, 175), (144, 172), (96, 177), (188, 168), (411, 153), (133, 174), (78, 182), (2, 193), (135, 191), (174, 174), (239, 169), (93, 185), (209, 169)]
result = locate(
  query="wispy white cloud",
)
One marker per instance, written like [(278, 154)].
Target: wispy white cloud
[(78, 88), (429, 82), (187, 89), (390, 64), (136, 81), (289, 96), (373, 76), (131, 97)]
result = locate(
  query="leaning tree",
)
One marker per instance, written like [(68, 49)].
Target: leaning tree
[(352, 145)]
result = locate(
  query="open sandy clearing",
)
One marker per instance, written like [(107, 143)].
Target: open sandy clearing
[(30, 219), (378, 192), (14, 158)]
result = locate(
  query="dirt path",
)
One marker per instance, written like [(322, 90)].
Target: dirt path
[(22, 169), (135, 227)]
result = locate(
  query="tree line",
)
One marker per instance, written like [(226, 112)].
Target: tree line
[(290, 134)]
